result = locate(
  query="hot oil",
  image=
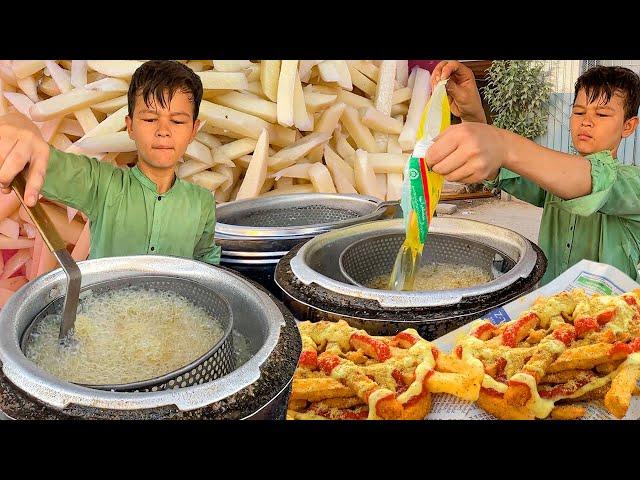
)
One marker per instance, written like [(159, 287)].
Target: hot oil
[(125, 336)]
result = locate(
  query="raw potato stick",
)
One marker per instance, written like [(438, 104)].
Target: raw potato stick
[(327, 124), (402, 72), (114, 68), (269, 74), (231, 65), (288, 155), (380, 123), (256, 174), (366, 182), (26, 68), (362, 82), (336, 71), (360, 133), (321, 179), (212, 80), (249, 103), (366, 68), (402, 95), (64, 103), (286, 90), (419, 97), (383, 98), (301, 118)]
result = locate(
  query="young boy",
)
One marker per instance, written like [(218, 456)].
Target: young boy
[(142, 210), (591, 202)]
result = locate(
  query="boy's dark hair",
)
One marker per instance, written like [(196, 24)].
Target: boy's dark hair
[(156, 78), (604, 81)]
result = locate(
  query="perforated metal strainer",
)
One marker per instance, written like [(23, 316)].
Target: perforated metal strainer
[(216, 362), (372, 257), (297, 215)]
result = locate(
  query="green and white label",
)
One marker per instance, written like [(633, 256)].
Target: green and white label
[(418, 201), (595, 284)]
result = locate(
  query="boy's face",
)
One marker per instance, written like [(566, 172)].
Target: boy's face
[(162, 134), (599, 126)]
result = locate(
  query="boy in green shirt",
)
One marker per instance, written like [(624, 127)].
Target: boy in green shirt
[(142, 210), (591, 202)]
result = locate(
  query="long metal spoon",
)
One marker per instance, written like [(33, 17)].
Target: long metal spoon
[(58, 248)]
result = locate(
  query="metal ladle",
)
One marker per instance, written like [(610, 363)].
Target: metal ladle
[(58, 248)]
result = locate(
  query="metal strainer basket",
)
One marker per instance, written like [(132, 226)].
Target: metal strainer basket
[(372, 257), (296, 215), (215, 363)]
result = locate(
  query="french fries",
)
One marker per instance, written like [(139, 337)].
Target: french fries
[(525, 377), (299, 170), (385, 377), (618, 398), (315, 389), (327, 124), (229, 119), (568, 412), (231, 65)]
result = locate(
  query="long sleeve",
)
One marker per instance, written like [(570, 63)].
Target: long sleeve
[(615, 190), (77, 180), (206, 250), (519, 187)]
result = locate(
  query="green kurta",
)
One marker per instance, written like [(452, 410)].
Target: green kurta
[(127, 215), (603, 226)]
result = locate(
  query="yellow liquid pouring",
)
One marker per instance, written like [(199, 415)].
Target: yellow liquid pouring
[(436, 117), (407, 261)]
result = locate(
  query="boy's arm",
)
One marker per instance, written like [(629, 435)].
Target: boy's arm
[(472, 152), (77, 180), (615, 190), (566, 176), (206, 250), (518, 186)]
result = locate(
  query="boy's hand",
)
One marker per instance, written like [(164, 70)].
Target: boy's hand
[(468, 153), (461, 89), (20, 144)]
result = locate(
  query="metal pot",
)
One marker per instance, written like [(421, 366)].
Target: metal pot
[(255, 234), (257, 388), (315, 288)]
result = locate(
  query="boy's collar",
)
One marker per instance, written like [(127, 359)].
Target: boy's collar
[(150, 184)]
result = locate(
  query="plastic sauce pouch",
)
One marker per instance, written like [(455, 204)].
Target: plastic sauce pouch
[(420, 190)]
